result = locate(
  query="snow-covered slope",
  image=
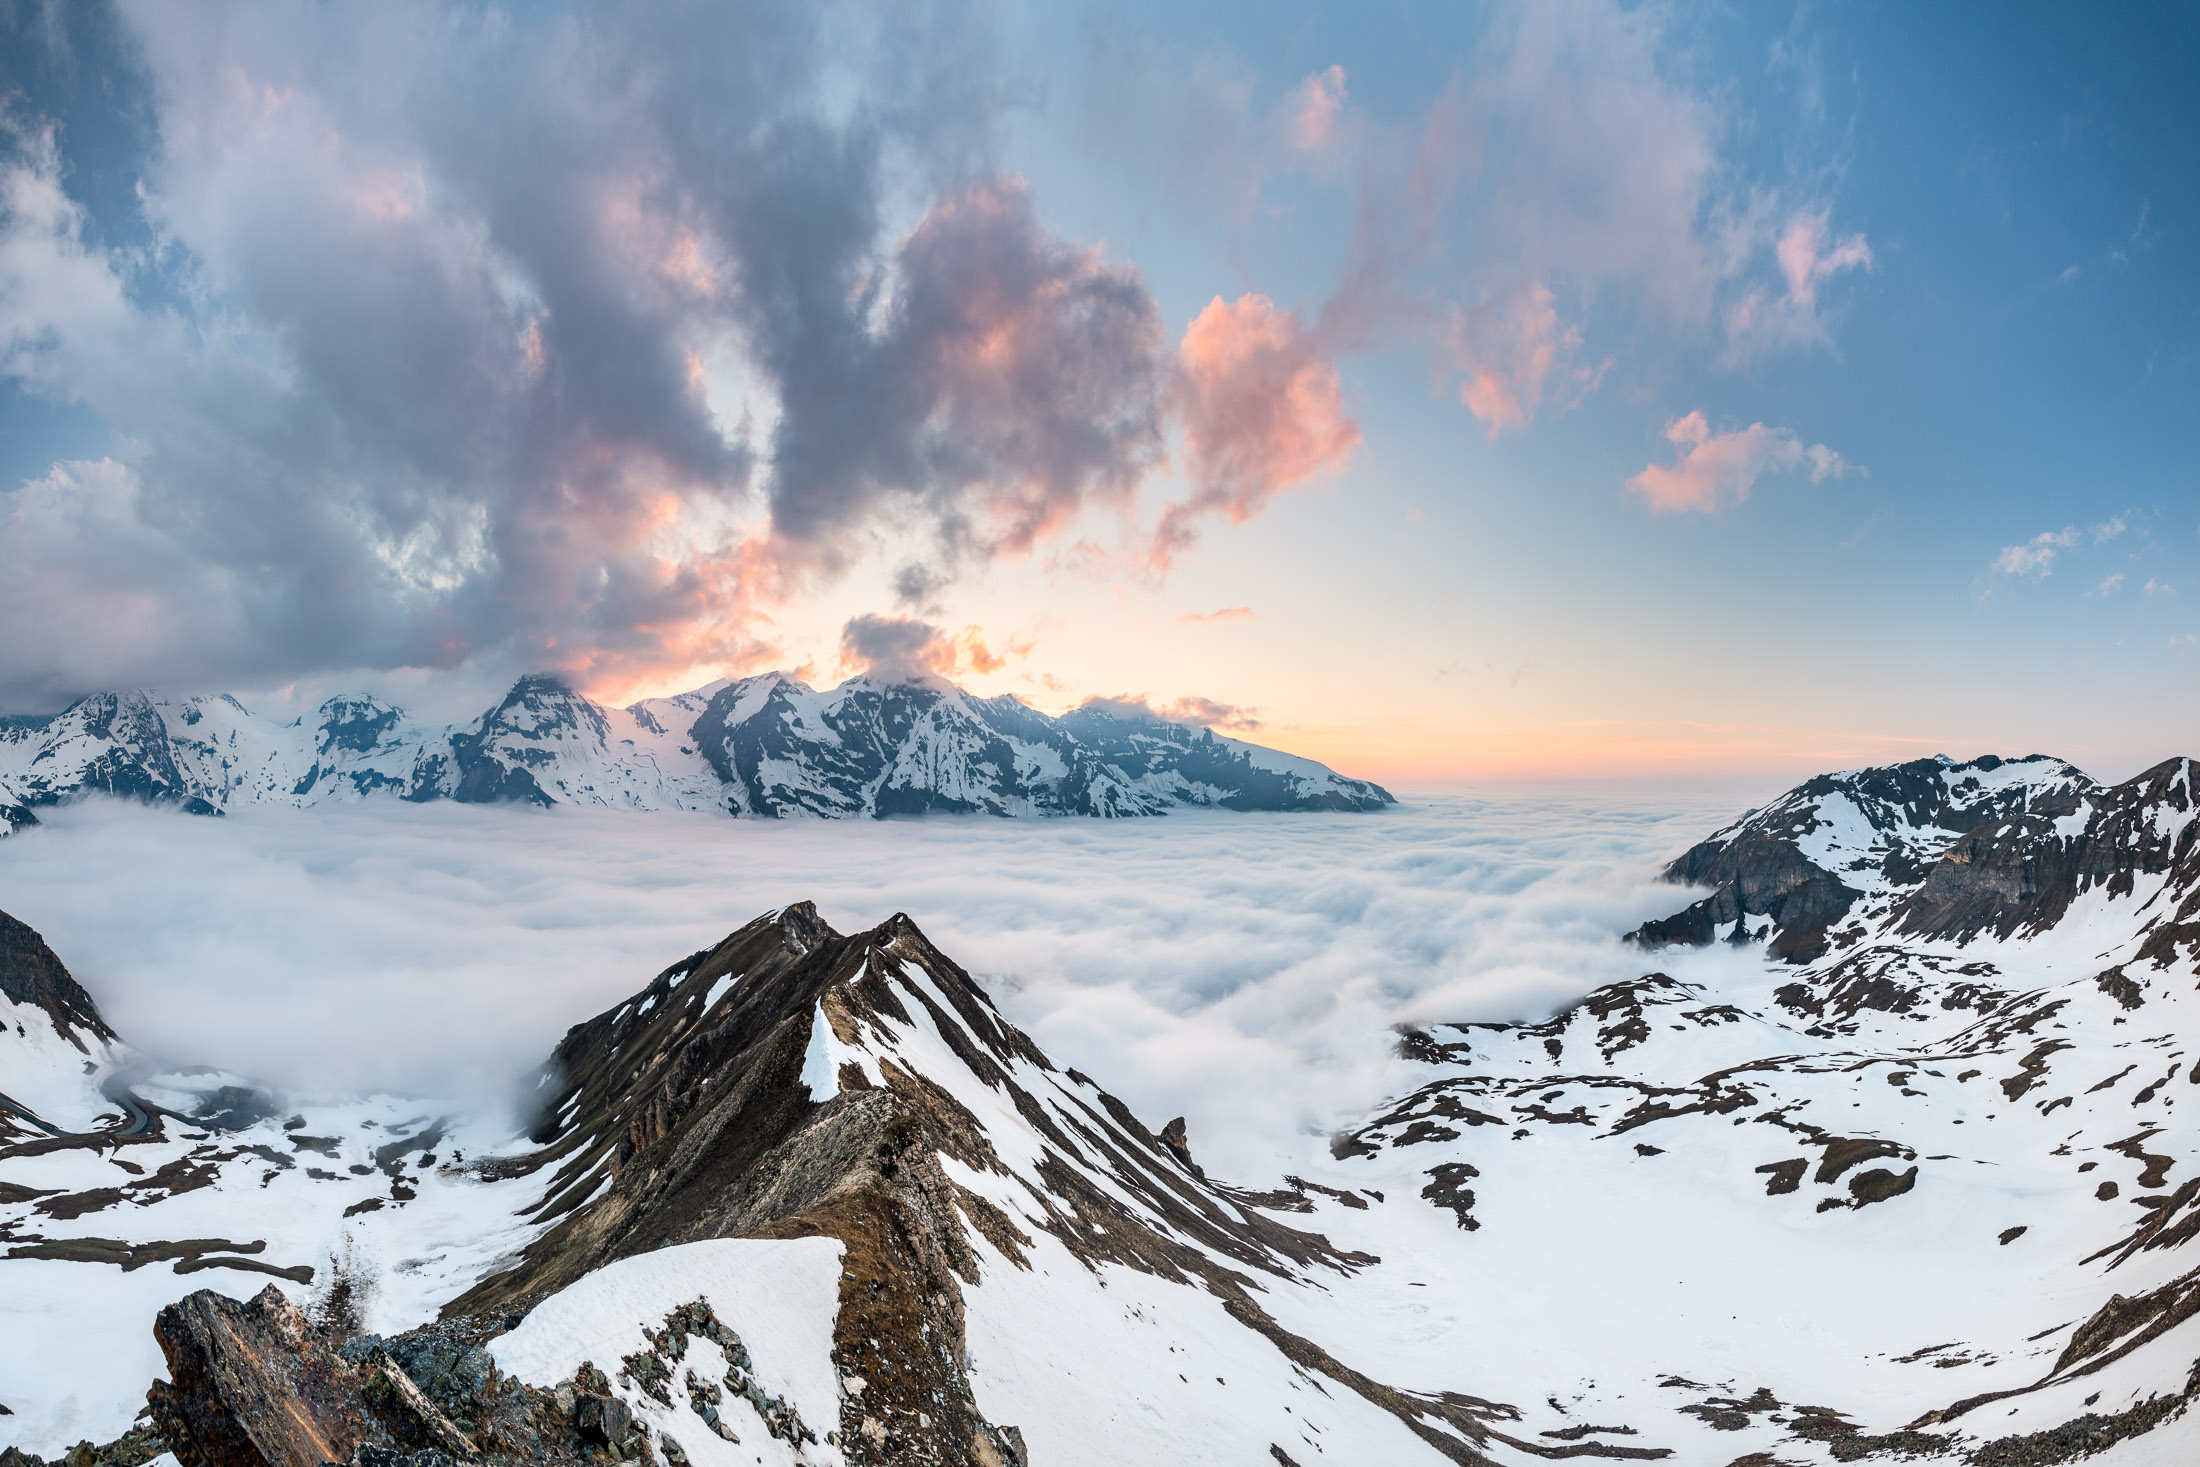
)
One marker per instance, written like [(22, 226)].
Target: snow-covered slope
[(808, 1197), (56, 1052), (765, 745)]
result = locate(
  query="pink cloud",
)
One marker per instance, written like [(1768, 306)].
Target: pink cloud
[(1035, 370), (1513, 353), (1717, 470), (1227, 613), (1316, 104), (1262, 409), (903, 646), (1200, 712)]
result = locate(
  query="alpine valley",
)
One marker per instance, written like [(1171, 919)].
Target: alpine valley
[(1904, 1183), (760, 746)]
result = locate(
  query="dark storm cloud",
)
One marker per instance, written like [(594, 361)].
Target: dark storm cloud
[(894, 646), (1017, 376), (469, 332)]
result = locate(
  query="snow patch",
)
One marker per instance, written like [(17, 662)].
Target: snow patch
[(780, 1296)]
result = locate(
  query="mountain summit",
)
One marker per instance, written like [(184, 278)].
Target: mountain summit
[(758, 746)]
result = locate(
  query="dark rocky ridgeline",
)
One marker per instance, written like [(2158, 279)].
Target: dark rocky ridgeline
[(31, 974), (689, 1098), (1950, 851), (682, 1115), (700, 1118)]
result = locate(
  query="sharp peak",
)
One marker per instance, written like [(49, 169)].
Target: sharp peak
[(802, 922)]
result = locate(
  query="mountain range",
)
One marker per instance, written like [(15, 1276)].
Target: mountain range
[(758, 746), (1892, 1174)]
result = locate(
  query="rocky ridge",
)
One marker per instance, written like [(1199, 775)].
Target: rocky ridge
[(764, 746)]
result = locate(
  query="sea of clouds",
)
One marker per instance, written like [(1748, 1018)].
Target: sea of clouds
[(1244, 971)]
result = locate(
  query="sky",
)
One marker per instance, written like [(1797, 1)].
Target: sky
[(1447, 392)]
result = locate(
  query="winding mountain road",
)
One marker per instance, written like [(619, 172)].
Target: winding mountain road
[(140, 1120)]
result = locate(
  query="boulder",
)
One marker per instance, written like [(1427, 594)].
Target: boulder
[(253, 1385)]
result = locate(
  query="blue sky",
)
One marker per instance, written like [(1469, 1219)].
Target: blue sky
[(1579, 389)]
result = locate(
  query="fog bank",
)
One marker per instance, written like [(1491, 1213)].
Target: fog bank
[(1241, 970)]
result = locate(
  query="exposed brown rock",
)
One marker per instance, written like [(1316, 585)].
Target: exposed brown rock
[(252, 1385)]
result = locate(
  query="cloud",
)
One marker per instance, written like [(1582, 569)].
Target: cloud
[(894, 648), (1199, 712), (1570, 170), (2109, 529), (1809, 258), (2142, 239), (1261, 1009), (567, 338), (2036, 556), (2109, 584), (972, 654), (1207, 713), (1315, 106), (1263, 410), (1224, 613), (1717, 470), (1016, 377), (1511, 351)]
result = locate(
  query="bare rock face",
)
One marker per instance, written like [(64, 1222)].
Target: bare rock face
[(253, 1385), (1758, 876)]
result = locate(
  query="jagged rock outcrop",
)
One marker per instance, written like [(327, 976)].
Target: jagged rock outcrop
[(760, 746), (257, 1384), (253, 1385)]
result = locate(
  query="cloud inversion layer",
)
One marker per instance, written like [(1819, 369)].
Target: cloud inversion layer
[(1147, 956)]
